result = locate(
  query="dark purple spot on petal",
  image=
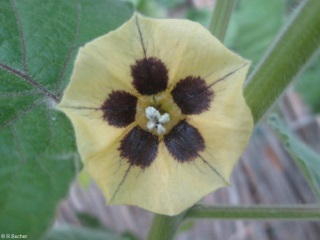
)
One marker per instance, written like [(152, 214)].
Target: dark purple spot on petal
[(139, 147), (150, 76), (192, 95), (119, 109), (184, 142)]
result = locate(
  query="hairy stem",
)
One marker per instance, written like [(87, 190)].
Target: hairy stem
[(295, 212), (220, 18), (289, 53), (164, 227)]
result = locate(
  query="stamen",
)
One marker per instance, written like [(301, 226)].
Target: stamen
[(156, 120), (160, 129), (152, 113), (151, 125), (164, 118)]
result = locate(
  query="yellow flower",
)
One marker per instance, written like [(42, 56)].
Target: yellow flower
[(159, 114)]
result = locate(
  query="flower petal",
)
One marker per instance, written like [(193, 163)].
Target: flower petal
[(165, 187), (100, 68), (227, 126), (139, 147), (184, 142), (119, 109), (192, 95), (93, 134), (177, 43), (150, 76)]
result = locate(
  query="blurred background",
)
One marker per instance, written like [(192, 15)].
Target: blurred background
[(267, 173)]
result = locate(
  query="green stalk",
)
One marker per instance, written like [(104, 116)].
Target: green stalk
[(220, 18), (291, 50), (164, 227), (148, 8), (142, 6), (295, 212)]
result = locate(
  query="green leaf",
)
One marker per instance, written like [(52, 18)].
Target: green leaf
[(76, 233), (309, 86), (38, 43), (253, 26), (306, 159)]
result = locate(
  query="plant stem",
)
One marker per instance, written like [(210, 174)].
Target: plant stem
[(295, 212), (220, 18), (291, 50), (164, 227), (148, 8), (142, 6)]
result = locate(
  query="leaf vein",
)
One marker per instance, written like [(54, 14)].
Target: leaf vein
[(30, 80), (72, 48), (22, 113)]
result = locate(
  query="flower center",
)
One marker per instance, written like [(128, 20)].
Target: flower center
[(156, 120), (158, 113)]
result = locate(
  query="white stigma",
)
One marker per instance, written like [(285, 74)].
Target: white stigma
[(156, 120)]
